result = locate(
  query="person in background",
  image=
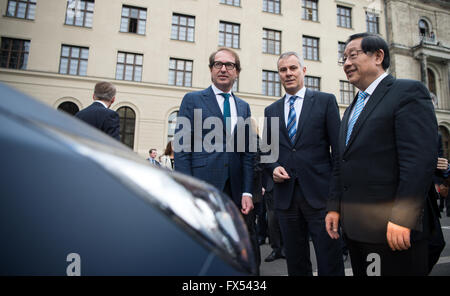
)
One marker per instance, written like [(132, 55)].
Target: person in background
[(152, 159), (167, 159)]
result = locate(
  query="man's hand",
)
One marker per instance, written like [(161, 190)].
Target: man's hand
[(247, 204), (279, 174), (442, 163), (398, 237), (332, 224)]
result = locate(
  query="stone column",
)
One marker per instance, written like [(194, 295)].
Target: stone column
[(423, 69)]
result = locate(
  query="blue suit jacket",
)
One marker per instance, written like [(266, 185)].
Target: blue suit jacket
[(215, 167), (309, 160), (102, 118)]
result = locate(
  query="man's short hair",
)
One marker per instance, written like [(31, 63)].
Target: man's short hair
[(237, 61), (104, 91), (151, 150), (371, 43), (285, 55)]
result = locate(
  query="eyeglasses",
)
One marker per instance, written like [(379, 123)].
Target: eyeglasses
[(352, 56), (228, 66)]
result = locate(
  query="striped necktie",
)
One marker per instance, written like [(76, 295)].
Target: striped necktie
[(226, 110), (358, 108), (292, 119)]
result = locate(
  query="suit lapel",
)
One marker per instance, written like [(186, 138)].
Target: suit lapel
[(280, 110), (304, 113), (210, 101), (374, 100)]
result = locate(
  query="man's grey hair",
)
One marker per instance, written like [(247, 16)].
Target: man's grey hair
[(105, 91), (287, 54)]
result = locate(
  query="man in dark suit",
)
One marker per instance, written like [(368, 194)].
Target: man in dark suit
[(308, 129), (98, 113), (212, 154), (387, 155)]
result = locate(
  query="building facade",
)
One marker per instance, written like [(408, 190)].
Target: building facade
[(419, 37), (156, 51)]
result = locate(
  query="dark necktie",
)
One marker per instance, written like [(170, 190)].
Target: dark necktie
[(226, 111), (292, 119)]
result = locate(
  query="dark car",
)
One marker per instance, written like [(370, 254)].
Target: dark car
[(74, 201)]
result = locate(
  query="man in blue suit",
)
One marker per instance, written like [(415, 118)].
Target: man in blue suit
[(218, 159), (308, 132), (98, 113)]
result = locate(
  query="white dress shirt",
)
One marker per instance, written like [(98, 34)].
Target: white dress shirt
[(221, 100), (370, 91)]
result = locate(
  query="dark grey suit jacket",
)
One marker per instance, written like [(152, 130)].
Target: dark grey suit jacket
[(385, 171)]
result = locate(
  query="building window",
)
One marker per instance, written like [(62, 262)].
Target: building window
[(231, 2), (310, 10), (80, 13), (372, 23), (344, 16), (273, 6), (341, 49), (271, 85), (183, 27), (127, 121), (271, 41), (69, 107), (172, 125), (14, 53), (180, 72), (229, 34), (347, 91), (133, 20), (129, 66), (21, 9), (312, 82), (310, 48), (74, 60)]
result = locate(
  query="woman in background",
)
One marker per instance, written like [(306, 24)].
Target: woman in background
[(167, 159)]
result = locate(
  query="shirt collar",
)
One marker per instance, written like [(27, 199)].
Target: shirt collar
[(98, 101), (300, 94), (374, 84), (218, 91)]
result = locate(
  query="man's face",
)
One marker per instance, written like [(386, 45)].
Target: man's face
[(153, 153), (222, 78), (361, 68), (291, 74)]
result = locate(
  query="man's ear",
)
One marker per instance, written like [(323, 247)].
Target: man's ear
[(112, 101), (93, 97), (379, 54)]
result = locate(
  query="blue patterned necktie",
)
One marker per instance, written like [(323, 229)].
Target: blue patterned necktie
[(358, 108), (226, 110), (292, 119)]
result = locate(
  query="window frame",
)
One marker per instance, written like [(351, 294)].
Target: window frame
[(69, 58), (314, 47), (85, 12), (28, 5), (348, 91), (267, 83), (22, 53), (223, 34), (175, 70), (134, 65), (179, 25), (276, 9), (267, 41), (347, 18), (308, 4), (129, 18), (372, 20), (309, 78)]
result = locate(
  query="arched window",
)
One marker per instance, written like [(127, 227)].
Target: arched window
[(424, 29), (69, 107), (172, 125), (127, 125)]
